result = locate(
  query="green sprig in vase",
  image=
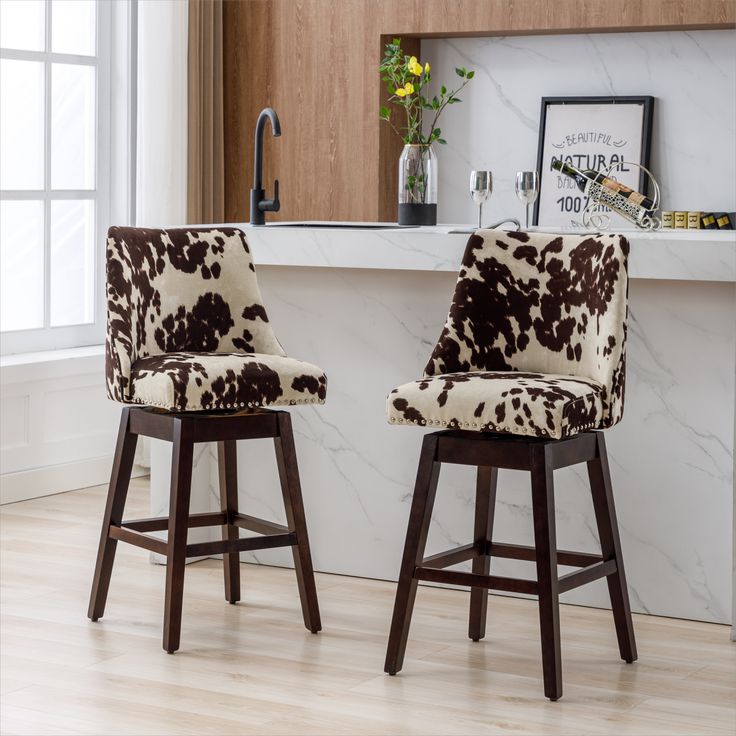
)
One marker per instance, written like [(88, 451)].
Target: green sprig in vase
[(406, 80)]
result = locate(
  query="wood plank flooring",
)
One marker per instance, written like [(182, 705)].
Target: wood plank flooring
[(254, 669)]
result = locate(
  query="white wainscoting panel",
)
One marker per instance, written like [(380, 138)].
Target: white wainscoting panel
[(58, 427)]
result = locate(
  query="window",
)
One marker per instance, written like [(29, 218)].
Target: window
[(54, 171)]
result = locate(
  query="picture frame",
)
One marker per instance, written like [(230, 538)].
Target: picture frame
[(590, 133)]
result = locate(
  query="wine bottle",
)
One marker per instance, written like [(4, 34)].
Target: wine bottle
[(583, 180)]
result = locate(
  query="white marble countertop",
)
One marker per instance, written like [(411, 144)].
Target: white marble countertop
[(688, 255)]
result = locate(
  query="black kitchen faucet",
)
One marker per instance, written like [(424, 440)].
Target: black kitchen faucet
[(259, 205)]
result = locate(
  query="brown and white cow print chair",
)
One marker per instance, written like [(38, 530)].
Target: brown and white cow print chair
[(528, 370), (191, 352)]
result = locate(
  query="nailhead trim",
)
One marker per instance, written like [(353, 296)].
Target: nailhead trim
[(566, 430), (208, 407)]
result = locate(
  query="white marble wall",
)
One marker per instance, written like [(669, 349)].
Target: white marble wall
[(692, 74), (671, 458)]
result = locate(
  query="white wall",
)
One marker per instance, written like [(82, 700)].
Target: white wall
[(692, 75)]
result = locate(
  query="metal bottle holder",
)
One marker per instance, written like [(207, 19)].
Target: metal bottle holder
[(641, 217)]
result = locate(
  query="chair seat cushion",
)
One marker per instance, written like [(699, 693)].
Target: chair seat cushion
[(200, 381), (512, 402)]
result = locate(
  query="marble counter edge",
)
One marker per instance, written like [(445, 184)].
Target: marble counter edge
[(687, 256)]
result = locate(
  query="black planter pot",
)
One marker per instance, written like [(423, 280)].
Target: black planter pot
[(417, 214)]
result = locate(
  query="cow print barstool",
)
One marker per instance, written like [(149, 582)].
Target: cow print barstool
[(190, 347), (529, 367)]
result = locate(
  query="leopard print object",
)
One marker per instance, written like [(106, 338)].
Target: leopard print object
[(534, 343), (186, 325)]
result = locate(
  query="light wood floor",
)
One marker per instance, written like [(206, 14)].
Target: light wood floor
[(254, 669)]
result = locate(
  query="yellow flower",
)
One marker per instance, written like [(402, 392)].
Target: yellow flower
[(426, 68), (414, 66), (407, 89)]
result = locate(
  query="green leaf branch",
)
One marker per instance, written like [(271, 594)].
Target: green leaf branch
[(406, 81)]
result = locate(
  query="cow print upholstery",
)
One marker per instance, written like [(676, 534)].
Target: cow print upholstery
[(187, 329), (534, 343)]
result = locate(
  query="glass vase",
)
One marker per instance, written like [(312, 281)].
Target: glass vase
[(417, 185)]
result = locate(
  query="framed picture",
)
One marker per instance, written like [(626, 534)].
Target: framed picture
[(589, 133)]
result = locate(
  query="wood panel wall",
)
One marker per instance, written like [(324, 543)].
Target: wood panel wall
[(315, 61)]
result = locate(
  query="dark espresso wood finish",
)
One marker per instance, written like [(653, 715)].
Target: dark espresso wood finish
[(452, 557), (176, 548), (152, 544), (292, 493), (420, 515), (522, 552), (260, 526), (540, 457), (605, 515), (160, 524), (117, 493), (485, 505), (227, 469), (184, 431), (482, 582), (230, 546), (545, 543)]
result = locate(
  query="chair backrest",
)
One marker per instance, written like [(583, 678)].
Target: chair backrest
[(180, 290), (543, 303)]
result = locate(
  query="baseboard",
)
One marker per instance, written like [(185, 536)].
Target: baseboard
[(52, 479)]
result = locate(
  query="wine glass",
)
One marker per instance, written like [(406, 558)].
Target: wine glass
[(527, 189), (481, 187)]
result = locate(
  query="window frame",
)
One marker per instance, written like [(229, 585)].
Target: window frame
[(48, 337)]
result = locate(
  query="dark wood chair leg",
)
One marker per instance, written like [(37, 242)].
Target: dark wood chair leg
[(181, 486), (605, 516), (485, 504), (117, 492), (296, 521), (545, 543), (420, 516), (227, 465)]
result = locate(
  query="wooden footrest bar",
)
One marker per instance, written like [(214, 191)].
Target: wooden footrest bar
[(507, 551), (492, 582), (260, 526), (524, 552), (223, 546), (215, 518), (132, 535), (161, 523), (586, 575), (452, 557), (139, 540), (431, 569)]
